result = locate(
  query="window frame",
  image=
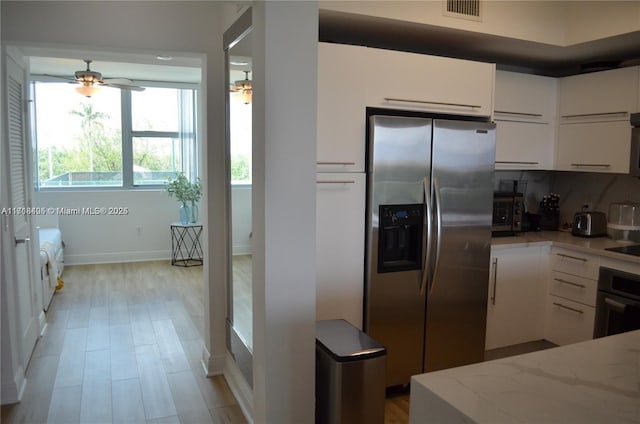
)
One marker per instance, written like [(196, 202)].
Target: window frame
[(189, 138)]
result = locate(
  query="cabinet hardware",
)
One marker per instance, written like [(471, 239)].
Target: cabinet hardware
[(335, 182), (572, 257), (335, 163), (560, 280), (20, 241), (560, 305), (391, 99), (504, 112), (516, 162), (599, 165), (495, 280), (591, 115)]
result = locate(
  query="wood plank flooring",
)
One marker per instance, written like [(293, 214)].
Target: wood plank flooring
[(123, 345)]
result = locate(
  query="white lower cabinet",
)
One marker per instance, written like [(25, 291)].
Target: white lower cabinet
[(340, 246), (568, 321), (571, 298), (515, 311)]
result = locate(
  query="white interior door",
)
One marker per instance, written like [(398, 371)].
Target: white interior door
[(18, 228)]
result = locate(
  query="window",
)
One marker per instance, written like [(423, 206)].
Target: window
[(240, 139), (117, 138)]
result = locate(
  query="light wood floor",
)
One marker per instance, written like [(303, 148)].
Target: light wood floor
[(123, 344)]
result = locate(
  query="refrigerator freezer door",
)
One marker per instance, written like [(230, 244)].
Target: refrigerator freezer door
[(399, 160), (462, 174)]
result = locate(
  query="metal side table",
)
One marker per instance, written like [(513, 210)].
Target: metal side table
[(186, 249)]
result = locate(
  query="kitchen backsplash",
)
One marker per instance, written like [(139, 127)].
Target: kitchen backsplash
[(594, 189), (575, 189)]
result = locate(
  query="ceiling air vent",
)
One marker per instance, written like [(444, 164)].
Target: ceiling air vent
[(465, 9)]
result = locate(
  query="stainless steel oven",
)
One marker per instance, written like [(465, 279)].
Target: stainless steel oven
[(618, 304)]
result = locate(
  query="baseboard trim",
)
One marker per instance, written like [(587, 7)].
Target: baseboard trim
[(239, 387), (118, 257), (12, 392), (212, 365), (241, 250)]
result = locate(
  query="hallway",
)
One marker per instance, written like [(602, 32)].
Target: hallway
[(123, 344)]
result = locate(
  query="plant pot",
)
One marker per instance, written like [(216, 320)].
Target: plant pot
[(185, 213)]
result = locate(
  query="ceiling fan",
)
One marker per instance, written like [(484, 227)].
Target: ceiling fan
[(91, 81), (244, 88)]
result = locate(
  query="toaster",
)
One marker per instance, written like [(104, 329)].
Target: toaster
[(589, 224)]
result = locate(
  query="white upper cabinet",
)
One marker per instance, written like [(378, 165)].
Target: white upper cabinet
[(525, 116), (606, 95), (341, 108), (411, 81), (594, 134)]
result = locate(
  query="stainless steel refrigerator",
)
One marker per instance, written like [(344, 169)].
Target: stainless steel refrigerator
[(429, 212)]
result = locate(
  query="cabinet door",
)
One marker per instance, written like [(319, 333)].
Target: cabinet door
[(412, 81), (607, 93), (515, 311), (341, 108), (524, 145), (594, 147), (524, 97), (340, 246)]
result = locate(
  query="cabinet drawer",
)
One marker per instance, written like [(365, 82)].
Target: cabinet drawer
[(575, 263), (567, 321), (578, 289)]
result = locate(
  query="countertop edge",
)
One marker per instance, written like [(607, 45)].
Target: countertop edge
[(595, 246)]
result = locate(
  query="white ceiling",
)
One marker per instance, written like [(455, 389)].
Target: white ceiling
[(136, 67)]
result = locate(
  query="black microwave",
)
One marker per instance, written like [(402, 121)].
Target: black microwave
[(507, 213)]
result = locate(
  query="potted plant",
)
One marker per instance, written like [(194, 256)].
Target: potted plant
[(180, 188)]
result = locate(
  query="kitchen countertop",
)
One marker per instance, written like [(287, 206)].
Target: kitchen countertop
[(596, 245), (597, 381)]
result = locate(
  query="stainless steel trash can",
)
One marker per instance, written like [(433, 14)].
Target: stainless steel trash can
[(350, 375)]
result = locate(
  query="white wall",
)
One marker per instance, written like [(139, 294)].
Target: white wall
[(285, 42), (141, 234), (241, 226), (553, 22)]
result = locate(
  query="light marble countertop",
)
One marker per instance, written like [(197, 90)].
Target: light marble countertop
[(596, 245), (596, 381)]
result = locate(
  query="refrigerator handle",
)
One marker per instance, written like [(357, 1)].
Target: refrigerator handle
[(438, 211), (427, 240)]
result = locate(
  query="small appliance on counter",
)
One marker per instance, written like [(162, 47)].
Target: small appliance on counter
[(624, 222), (508, 208), (589, 224)]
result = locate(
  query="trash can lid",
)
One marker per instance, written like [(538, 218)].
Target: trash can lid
[(344, 342)]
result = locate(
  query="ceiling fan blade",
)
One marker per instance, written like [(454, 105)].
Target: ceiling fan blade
[(61, 77), (123, 86)]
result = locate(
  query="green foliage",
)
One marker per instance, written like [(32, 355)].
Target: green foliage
[(240, 168), (182, 189)]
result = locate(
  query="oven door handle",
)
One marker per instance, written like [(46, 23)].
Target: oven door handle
[(617, 306)]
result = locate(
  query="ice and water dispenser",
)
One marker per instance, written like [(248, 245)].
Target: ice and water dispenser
[(400, 237)]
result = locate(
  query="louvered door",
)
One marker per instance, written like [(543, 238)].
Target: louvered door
[(19, 222)]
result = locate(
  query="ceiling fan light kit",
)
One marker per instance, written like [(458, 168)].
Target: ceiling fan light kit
[(91, 82), (244, 88), (87, 89)]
